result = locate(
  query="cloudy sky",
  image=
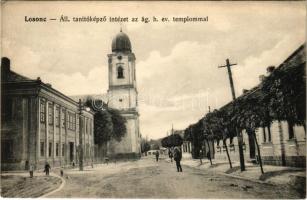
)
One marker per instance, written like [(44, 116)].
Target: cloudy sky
[(176, 66)]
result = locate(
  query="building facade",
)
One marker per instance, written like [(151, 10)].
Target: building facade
[(40, 124), (280, 143), (123, 96)]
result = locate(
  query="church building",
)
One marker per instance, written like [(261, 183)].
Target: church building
[(123, 96)]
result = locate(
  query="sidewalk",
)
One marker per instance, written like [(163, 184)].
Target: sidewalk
[(18, 184), (275, 175)]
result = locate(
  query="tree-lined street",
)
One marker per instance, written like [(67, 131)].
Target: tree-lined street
[(147, 178)]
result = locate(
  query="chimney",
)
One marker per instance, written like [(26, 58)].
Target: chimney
[(270, 69), (261, 78), (5, 65)]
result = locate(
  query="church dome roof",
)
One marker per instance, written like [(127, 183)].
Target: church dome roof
[(121, 43)]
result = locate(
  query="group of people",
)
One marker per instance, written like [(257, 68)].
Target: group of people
[(46, 169)]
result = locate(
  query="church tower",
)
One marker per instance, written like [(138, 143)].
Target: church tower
[(122, 95)]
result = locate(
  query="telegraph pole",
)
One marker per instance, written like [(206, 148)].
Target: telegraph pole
[(80, 137), (239, 136)]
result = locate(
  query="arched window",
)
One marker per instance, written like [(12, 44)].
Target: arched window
[(120, 72)]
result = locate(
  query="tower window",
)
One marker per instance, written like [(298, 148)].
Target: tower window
[(120, 72)]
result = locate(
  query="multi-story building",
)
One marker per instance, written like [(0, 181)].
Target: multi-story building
[(40, 124)]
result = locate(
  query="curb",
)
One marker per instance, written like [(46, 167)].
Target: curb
[(56, 190), (240, 177), (248, 179)]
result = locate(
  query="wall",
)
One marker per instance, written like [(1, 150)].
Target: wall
[(279, 151)]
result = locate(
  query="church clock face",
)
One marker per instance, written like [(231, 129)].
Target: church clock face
[(119, 57)]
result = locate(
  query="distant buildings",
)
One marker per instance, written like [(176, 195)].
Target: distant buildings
[(39, 124)]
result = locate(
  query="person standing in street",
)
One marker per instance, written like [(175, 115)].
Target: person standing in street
[(31, 170), (157, 155), (170, 155), (177, 158), (47, 168)]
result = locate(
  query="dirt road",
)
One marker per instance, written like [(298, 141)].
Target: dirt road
[(148, 179)]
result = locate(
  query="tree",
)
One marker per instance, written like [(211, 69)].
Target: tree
[(119, 124), (251, 114), (155, 146), (172, 141), (108, 124), (197, 138), (285, 90), (145, 146), (218, 128), (103, 127)]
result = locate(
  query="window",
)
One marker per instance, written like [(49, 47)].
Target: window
[(50, 149), (57, 116), (42, 149), (50, 114), (120, 72), (86, 126), (63, 118), (63, 147), (269, 134), (264, 134), (290, 130), (7, 106), (7, 151), (71, 121), (42, 111), (57, 149)]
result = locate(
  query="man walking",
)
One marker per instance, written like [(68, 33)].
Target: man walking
[(177, 158), (47, 168), (157, 155)]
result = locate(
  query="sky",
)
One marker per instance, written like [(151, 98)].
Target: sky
[(176, 63)]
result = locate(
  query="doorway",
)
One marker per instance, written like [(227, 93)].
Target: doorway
[(71, 151)]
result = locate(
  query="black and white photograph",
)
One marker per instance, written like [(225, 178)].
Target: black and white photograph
[(153, 99)]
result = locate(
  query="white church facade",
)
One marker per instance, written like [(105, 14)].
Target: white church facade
[(123, 96)]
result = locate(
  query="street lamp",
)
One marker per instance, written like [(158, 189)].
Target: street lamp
[(81, 108)]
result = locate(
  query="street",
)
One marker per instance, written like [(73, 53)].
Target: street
[(147, 178)]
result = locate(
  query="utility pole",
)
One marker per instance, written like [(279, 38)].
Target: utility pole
[(239, 136), (80, 137)]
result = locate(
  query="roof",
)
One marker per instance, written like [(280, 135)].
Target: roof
[(297, 58), (121, 43), (15, 80)]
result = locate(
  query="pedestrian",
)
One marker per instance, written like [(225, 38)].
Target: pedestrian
[(170, 155), (106, 160), (73, 164), (62, 172), (177, 158), (31, 169), (157, 156), (47, 168)]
